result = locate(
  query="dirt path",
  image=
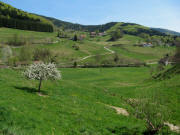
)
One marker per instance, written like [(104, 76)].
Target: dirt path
[(111, 51), (119, 110), (173, 127), (152, 63), (122, 111), (90, 56)]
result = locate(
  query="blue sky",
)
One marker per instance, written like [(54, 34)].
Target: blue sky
[(152, 13)]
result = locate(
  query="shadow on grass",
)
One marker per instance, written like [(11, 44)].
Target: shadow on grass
[(30, 90)]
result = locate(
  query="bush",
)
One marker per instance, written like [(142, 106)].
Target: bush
[(17, 40), (75, 64), (125, 131), (176, 58), (116, 58), (6, 54), (151, 111), (115, 35), (44, 55), (76, 47), (13, 61), (26, 54), (75, 38)]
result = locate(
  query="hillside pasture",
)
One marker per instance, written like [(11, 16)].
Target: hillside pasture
[(78, 103)]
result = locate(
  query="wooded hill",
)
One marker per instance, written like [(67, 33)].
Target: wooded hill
[(14, 18), (79, 27), (168, 32), (107, 26), (135, 29)]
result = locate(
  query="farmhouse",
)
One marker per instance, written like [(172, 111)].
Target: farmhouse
[(93, 34), (81, 37), (147, 45), (102, 34)]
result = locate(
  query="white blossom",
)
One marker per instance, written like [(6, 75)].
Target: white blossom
[(42, 71)]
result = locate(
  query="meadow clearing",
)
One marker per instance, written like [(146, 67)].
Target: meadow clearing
[(88, 101)]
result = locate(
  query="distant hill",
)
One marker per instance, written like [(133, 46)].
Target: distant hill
[(14, 18), (128, 28), (74, 26), (166, 31), (147, 34), (135, 29)]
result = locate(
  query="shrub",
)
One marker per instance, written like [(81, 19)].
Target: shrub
[(42, 71), (115, 35), (44, 55), (58, 34), (26, 53), (176, 58), (76, 47), (125, 130), (75, 64), (16, 40), (116, 58), (13, 61), (75, 38), (97, 59), (6, 54), (151, 111)]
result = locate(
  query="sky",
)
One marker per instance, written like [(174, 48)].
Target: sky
[(151, 13)]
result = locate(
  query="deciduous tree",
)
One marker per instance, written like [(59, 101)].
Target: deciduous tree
[(42, 71)]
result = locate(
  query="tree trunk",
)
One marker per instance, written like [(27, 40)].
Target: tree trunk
[(39, 89)]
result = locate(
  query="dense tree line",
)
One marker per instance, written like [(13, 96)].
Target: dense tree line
[(79, 27), (14, 18), (147, 31), (159, 40), (149, 35), (115, 35)]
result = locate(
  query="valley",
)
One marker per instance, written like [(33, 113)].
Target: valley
[(61, 78)]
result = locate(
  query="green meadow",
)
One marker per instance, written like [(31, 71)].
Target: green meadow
[(63, 78), (82, 102), (78, 104)]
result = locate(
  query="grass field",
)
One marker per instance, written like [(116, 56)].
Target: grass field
[(7, 34), (145, 54), (80, 102), (131, 93), (77, 103), (127, 53)]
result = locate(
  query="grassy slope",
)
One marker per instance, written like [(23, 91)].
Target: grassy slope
[(144, 54), (75, 105), (90, 46), (7, 33), (131, 53), (66, 52), (128, 28), (64, 48)]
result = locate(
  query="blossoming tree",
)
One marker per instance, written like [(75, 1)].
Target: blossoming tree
[(42, 71)]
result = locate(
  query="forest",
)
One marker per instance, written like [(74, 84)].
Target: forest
[(14, 18)]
